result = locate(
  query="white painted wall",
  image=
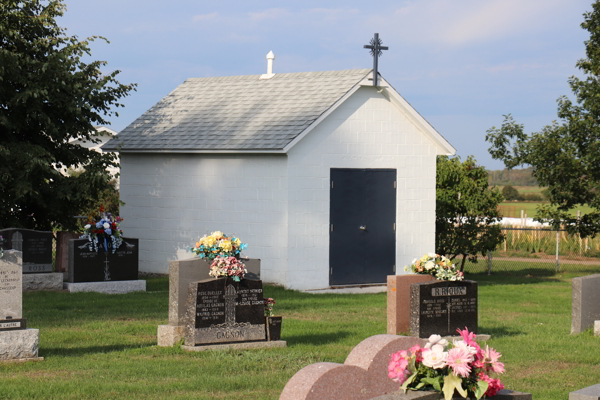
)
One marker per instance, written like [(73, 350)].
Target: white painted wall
[(366, 131), (279, 204), (171, 200)]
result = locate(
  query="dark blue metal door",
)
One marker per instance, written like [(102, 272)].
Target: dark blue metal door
[(362, 237)]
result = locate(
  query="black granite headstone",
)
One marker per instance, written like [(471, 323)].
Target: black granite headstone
[(87, 265), (223, 311), (36, 247), (442, 307)]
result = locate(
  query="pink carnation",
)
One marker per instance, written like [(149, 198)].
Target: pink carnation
[(494, 385), (418, 352), (491, 357)]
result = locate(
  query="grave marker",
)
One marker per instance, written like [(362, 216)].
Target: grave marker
[(585, 302), (16, 341), (87, 265), (224, 311), (441, 307), (36, 247)]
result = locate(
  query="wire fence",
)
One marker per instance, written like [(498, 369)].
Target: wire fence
[(540, 250)]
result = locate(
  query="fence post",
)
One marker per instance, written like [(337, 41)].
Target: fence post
[(489, 260), (557, 250)]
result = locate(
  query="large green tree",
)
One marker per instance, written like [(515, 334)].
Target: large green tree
[(466, 210), (565, 155), (49, 95)]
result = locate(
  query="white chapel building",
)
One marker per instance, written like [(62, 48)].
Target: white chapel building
[(328, 179)]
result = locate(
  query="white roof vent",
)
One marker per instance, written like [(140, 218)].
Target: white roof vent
[(269, 74)]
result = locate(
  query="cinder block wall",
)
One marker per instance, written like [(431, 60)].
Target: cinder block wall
[(367, 131), (171, 200)]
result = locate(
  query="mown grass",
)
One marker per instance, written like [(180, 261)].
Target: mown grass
[(104, 346)]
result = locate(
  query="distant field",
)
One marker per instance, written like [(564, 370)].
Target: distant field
[(527, 189), (513, 209)]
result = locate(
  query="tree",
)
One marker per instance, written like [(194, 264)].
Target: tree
[(49, 95), (565, 155), (466, 210), (510, 193)]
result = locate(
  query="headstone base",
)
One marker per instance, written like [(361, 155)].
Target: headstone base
[(169, 335), (47, 281), (596, 328), (109, 287), (237, 346), (588, 393), (501, 395), (19, 344)]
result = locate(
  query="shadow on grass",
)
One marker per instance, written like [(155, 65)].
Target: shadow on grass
[(317, 338), (498, 332), (525, 276), (83, 351)]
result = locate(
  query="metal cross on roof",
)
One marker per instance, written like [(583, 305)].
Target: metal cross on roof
[(376, 47)]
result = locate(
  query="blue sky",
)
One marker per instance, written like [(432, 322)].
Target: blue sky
[(461, 64)]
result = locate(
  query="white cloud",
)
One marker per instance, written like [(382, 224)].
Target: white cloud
[(271, 13), (205, 17)]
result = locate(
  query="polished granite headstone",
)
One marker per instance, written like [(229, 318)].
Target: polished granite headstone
[(87, 265), (224, 311), (442, 307), (36, 247)]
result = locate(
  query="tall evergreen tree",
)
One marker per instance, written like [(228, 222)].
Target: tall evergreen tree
[(49, 95), (565, 155)]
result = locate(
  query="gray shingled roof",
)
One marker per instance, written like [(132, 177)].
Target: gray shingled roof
[(236, 112)]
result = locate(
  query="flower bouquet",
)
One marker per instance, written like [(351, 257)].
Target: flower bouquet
[(218, 244), (462, 366), (104, 231), (437, 266), (228, 266), (269, 303)]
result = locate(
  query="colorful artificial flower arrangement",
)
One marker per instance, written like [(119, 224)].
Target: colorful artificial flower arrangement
[(217, 244), (435, 265), (228, 266), (269, 303), (105, 231), (463, 367)]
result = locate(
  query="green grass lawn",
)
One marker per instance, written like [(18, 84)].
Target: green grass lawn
[(104, 346)]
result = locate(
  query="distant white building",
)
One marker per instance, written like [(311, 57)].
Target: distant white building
[(104, 134), (330, 180)]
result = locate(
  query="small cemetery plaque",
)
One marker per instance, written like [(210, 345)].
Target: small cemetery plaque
[(442, 307), (11, 291), (36, 247), (224, 311), (87, 265)]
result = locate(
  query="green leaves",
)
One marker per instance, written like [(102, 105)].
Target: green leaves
[(48, 97), (565, 155), (466, 209), (481, 388), (452, 382)]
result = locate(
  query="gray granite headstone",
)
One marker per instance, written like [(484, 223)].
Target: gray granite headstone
[(585, 302), (36, 247), (224, 311), (442, 307), (183, 272), (588, 393), (11, 291)]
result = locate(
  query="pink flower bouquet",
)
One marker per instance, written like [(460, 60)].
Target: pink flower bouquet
[(462, 366), (228, 266)]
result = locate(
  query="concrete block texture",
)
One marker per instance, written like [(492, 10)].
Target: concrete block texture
[(19, 344)]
